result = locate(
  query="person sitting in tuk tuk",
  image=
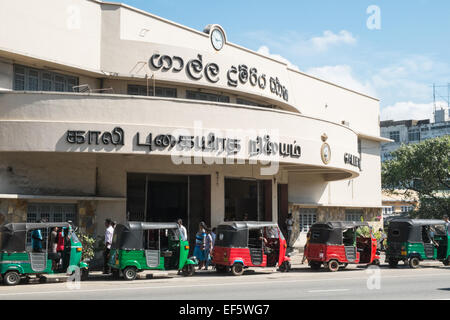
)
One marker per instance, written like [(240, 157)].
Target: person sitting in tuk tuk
[(430, 233), (36, 240)]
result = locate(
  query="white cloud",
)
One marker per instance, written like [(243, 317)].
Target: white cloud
[(329, 38), (264, 50), (407, 111), (342, 75)]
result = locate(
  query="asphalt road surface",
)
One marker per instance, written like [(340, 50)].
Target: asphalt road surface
[(430, 281)]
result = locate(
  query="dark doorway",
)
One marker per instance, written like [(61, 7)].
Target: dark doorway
[(165, 198), (250, 198)]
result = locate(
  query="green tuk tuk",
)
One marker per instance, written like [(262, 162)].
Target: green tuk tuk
[(415, 240), (139, 246), (19, 258)]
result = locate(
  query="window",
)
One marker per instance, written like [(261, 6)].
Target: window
[(249, 103), (35, 80), (406, 208), (52, 212), (139, 90), (19, 78), (388, 210), (414, 134), (353, 215), (307, 218), (196, 95), (394, 135)]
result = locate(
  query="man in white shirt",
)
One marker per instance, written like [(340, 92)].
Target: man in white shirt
[(182, 229), (108, 241)]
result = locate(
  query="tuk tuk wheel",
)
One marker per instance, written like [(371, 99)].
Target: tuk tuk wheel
[(446, 262), (393, 263), (285, 266), (237, 269), (414, 262), (376, 262), (129, 273), (333, 266), (315, 265), (188, 270), (11, 278)]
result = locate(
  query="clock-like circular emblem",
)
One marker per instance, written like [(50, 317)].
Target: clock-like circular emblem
[(217, 39), (325, 152)]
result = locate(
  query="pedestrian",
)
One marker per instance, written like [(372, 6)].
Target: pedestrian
[(108, 241), (200, 245), (289, 226), (182, 230), (308, 236), (446, 220), (209, 244)]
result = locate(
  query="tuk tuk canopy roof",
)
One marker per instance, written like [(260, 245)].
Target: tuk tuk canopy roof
[(403, 230), (235, 234), (130, 235), (138, 225), (419, 222), (25, 226), (13, 236), (239, 225), (332, 232)]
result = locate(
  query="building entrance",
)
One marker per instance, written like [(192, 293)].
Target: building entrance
[(248, 199), (166, 198)]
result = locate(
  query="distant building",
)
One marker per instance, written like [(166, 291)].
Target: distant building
[(413, 131), (396, 204)]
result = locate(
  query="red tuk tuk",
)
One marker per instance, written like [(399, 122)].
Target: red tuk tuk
[(243, 244), (336, 244)]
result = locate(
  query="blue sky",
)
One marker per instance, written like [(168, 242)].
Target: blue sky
[(397, 63)]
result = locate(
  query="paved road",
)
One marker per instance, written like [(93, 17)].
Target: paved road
[(430, 281)]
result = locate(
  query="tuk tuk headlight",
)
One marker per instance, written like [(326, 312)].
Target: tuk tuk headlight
[(186, 247), (79, 249)]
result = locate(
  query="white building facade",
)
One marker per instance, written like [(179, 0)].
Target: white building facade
[(413, 131), (107, 111)]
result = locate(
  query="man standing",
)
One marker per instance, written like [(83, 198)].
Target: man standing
[(446, 220), (182, 230), (108, 240), (289, 226)]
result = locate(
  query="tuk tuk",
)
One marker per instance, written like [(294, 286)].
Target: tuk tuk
[(19, 257), (244, 244), (415, 240), (337, 244), (140, 246)]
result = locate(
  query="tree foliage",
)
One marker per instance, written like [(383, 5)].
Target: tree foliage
[(424, 168)]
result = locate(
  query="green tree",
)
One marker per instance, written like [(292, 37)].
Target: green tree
[(424, 168)]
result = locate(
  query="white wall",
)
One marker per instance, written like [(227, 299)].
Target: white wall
[(66, 32)]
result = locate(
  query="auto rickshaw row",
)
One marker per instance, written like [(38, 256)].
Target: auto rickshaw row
[(140, 246)]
